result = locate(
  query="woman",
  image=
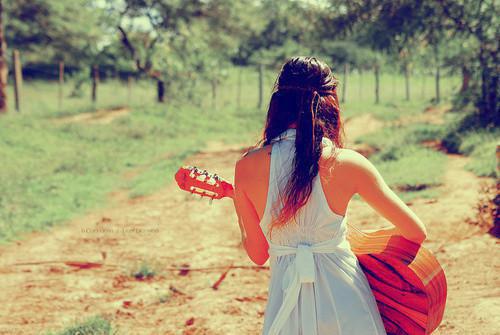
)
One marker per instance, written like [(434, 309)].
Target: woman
[(291, 196)]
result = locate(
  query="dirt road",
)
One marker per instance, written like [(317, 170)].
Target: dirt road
[(170, 229)]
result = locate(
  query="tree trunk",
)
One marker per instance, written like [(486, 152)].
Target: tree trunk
[(466, 77), (3, 66), (160, 90), (487, 104), (377, 84)]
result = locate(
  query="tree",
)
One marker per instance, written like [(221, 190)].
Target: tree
[(479, 20), (279, 30), (160, 34), (49, 31), (386, 24), (3, 65)]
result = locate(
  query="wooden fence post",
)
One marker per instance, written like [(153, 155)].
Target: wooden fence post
[(3, 66), (95, 81), (61, 83), (160, 90), (18, 79)]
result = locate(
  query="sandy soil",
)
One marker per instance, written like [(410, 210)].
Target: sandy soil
[(170, 229)]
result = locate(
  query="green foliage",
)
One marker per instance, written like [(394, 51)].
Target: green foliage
[(411, 168), (280, 27), (96, 325), (390, 140), (451, 142), (466, 123), (144, 272), (275, 56), (484, 160), (465, 30), (480, 145), (348, 52), (52, 30), (466, 136), (476, 138), (404, 163)]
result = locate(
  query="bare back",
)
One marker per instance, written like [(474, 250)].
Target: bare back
[(334, 176), (343, 173)]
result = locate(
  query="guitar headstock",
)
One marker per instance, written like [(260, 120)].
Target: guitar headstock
[(199, 181)]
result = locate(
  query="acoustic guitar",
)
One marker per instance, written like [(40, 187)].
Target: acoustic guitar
[(406, 279)]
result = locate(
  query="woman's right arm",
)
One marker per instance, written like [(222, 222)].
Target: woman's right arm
[(370, 185)]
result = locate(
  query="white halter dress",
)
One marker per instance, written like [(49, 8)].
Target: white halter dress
[(317, 286)]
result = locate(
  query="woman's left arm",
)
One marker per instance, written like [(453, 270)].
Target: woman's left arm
[(253, 239)]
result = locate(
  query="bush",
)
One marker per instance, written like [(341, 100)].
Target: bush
[(96, 325), (484, 161), (478, 143), (451, 142)]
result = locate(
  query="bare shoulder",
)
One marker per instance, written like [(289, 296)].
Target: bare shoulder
[(350, 158), (352, 162), (251, 159), (354, 156)]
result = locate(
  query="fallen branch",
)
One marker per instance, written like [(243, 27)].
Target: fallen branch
[(209, 268), (174, 268), (80, 264), (215, 286)]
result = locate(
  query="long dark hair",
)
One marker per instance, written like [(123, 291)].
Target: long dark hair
[(304, 94)]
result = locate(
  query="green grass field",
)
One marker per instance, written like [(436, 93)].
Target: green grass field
[(51, 172), (407, 166)]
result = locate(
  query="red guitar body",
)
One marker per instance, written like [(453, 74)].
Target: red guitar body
[(406, 279)]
